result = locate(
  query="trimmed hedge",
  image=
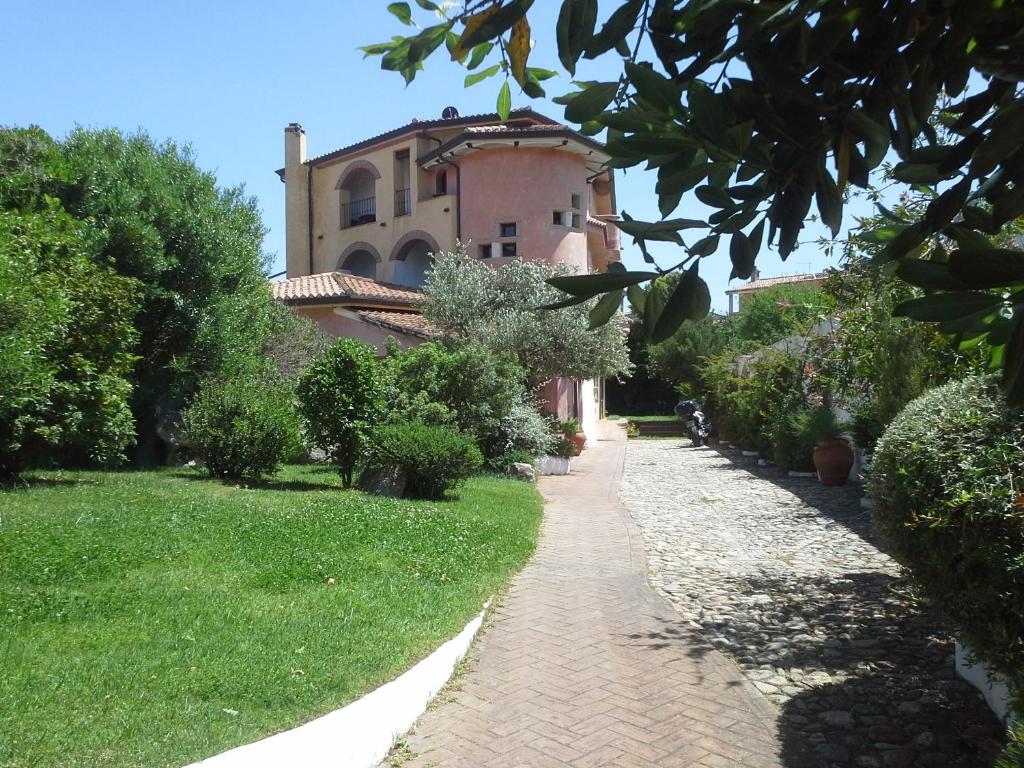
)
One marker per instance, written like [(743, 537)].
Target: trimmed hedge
[(947, 487), (433, 459)]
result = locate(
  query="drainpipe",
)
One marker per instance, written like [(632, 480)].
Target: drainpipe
[(309, 197), (458, 186)]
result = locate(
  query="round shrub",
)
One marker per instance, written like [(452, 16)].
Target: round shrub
[(947, 487), (242, 427), (433, 459)]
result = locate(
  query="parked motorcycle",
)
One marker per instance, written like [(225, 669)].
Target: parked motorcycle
[(698, 426)]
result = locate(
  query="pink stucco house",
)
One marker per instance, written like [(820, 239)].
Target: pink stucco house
[(363, 220)]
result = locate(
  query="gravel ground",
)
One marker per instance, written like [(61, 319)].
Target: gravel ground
[(782, 575)]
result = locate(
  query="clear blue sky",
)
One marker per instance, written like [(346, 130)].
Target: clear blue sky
[(228, 76)]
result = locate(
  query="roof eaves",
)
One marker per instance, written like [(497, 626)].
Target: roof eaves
[(466, 137)]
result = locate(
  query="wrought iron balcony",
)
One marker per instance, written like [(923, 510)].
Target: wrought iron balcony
[(403, 202), (356, 212)]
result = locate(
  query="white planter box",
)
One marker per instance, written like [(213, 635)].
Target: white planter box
[(994, 690), (552, 465), (795, 473)]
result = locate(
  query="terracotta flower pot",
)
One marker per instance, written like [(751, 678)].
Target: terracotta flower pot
[(833, 460), (578, 440)]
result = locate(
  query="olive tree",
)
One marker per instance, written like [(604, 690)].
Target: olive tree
[(501, 309)]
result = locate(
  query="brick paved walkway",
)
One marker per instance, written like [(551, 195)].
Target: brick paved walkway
[(584, 666)]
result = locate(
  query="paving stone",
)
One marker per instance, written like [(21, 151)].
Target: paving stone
[(584, 665), (784, 575)]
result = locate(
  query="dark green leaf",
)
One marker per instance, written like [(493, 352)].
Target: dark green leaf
[(1013, 359), (967, 238), (605, 309), (619, 24), (988, 268), (829, 199), (926, 274), (655, 89), (1005, 138), (591, 285), (742, 256), (574, 30), (939, 307), (705, 246), (942, 209), (918, 173), (691, 300), (590, 102), (427, 5), (637, 296), (714, 197)]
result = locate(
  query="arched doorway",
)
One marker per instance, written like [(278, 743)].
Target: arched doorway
[(359, 259), (413, 257)]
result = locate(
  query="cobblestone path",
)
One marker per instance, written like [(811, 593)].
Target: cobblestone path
[(782, 576)]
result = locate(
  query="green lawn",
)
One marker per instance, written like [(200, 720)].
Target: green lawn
[(667, 417), (154, 618)]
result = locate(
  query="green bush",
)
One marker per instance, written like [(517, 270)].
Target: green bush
[(343, 394), (467, 388), (242, 427), (524, 430), (434, 459), (946, 490), (503, 464), (793, 439)]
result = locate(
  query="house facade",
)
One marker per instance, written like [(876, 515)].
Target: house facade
[(363, 221)]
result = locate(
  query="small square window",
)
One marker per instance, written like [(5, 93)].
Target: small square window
[(508, 249), (557, 218), (507, 229), (575, 201), (575, 221), (485, 251)]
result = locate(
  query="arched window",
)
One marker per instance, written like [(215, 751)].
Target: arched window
[(413, 256), (357, 188)]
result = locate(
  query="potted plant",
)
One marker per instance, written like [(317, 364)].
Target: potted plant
[(833, 456), (557, 462), (572, 432)]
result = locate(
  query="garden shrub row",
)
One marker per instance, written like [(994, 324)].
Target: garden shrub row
[(947, 490)]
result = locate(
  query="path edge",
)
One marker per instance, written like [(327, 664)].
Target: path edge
[(360, 734)]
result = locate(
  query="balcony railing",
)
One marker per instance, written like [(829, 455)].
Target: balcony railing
[(403, 202), (356, 212)]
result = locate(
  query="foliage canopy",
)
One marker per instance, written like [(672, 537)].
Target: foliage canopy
[(767, 109)]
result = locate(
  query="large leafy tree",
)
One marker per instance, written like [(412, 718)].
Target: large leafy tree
[(153, 215), (767, 110)]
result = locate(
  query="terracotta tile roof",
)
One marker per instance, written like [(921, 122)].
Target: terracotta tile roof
[(421, 125), (768, 282), (411, 323), (342, 288)]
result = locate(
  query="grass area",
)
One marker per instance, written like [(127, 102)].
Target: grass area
[(154, 618), (647, 419)]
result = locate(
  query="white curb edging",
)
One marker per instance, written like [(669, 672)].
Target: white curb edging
[(361, 734)]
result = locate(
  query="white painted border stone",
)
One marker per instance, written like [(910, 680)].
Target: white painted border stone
[(552, 465), (361, 734), (992, 687)]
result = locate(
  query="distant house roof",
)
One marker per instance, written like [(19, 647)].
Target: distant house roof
[(343, 288), (516, 118), (769, 282), (411, 323)]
